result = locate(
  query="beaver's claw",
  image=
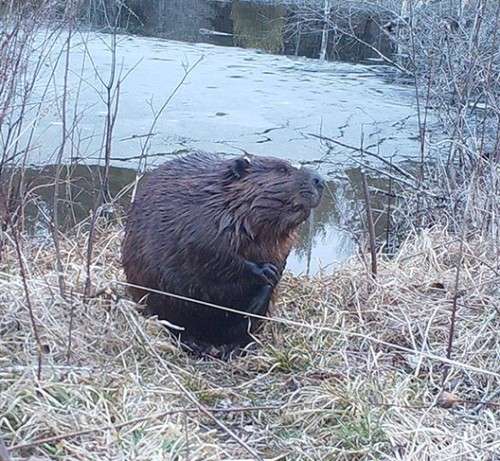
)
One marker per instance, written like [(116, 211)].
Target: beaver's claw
[(267, 273)]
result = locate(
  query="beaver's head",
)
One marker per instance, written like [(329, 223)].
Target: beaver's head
[(270, 197)]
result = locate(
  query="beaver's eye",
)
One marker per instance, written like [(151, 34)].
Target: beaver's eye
[(283, 169)]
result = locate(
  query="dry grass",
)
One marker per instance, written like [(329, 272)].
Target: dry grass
[(329, 390)]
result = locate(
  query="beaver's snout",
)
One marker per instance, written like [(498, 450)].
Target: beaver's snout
[(318, 182), (312, 189)]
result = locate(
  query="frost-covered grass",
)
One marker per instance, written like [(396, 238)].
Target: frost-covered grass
[(332, 379)]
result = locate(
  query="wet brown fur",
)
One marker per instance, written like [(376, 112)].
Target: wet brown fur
[(194, 223)]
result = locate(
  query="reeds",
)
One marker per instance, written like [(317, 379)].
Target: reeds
[(332, 379)]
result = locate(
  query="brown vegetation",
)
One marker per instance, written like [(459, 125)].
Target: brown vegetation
[(348, 368)]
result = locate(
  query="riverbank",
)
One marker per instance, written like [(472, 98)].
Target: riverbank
[(352, 368)]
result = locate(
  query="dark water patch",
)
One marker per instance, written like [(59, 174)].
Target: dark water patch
[(324, 241), (79, 193)]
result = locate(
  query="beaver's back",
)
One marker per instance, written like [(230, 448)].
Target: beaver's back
[(174, 206)]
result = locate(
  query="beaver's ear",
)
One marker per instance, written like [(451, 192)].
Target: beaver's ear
[(240, 166)]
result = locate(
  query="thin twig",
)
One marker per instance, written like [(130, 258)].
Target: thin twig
[(363, 151), (454, 308), (371, 227)]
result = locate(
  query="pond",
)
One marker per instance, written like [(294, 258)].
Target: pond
[(233, 100)]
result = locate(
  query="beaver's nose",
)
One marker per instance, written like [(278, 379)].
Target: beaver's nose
[(318, 181)]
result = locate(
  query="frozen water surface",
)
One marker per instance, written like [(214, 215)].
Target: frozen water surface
[(234, 99)]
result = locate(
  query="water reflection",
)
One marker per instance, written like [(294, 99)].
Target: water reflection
[(324, 242)]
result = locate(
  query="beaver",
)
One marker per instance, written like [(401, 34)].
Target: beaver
[(219, 230)]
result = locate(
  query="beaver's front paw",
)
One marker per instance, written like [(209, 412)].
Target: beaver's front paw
[(266, 273)]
